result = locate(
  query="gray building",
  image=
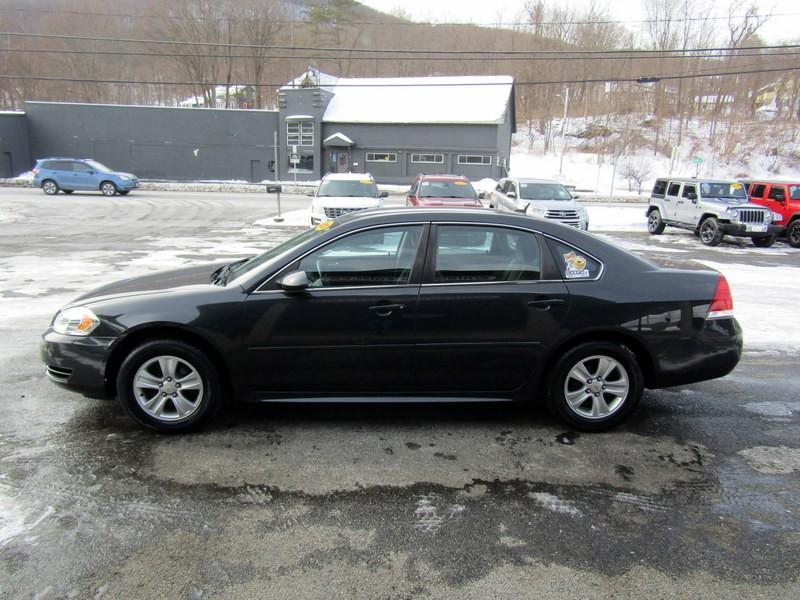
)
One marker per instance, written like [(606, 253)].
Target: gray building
[(393, 128)]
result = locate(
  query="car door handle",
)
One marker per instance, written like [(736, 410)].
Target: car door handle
[(384, 310), (545, 303)]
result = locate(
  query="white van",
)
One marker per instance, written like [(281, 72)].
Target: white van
[(341, 193)]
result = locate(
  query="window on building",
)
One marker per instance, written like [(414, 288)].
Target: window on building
[(437, 159), (474, 159), (381, 157), (299, 133)]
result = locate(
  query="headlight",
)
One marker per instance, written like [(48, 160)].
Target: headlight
[(124, 177), (733, 213), (75, 321), (768, 217), (777, 217)]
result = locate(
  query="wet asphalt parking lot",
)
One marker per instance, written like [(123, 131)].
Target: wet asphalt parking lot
[(697, 495)]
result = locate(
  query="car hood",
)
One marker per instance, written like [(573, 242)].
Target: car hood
[(163, 280), (131, 175), (347, 201), (554, 204), (449, 202)]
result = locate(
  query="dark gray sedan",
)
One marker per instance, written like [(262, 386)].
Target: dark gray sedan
[(396, 306)]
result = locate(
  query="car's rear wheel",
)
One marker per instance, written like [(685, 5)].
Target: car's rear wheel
[(169, 386), (764, 241), (793, 234), (710, 233), (50, 187), (595, 385), (655, 224), (108, 188)]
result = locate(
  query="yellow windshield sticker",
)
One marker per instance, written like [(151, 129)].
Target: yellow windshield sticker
[(460, 182), (324, 225), (367, 181), (736, 186)]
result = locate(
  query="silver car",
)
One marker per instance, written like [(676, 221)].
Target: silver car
[(541, 198)]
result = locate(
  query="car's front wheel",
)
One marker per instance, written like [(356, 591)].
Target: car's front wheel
[(710, 232), (50, 187), (169, 386), (655, 223), (793, 234), (108, 188), (595, 385)]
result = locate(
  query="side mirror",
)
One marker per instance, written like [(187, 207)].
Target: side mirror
[(296, 281), (383, 194), (692, 196), (575, 196), (512, 194), (780, 197)]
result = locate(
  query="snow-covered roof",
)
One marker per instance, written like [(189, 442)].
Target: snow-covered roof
[(312, 77), (338, 137), (420, 100)]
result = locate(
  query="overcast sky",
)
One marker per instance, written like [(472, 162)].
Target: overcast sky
[(782, 27)]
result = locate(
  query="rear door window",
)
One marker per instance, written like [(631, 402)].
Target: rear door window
[(660, 188), (776, 192), (484, 254)]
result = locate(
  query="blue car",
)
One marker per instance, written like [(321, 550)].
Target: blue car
[(70, 174)]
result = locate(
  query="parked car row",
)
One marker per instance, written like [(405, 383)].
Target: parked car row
[(712, 208)]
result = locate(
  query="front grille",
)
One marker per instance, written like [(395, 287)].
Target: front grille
[(58, 373), (751, 215), (567, 217), (332, 213)]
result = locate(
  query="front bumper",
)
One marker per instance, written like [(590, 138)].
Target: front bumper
[(76, 363), (127, 185), (740, 230)]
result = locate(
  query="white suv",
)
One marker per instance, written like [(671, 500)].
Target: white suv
[(341, 193), (541, 198)]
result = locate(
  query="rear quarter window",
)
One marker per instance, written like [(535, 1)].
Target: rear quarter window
[(660, 188), (574, 264)]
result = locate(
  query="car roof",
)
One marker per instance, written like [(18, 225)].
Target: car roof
[(443, 177), (534, 180), (346, 176), (696, 180), (774, 181)]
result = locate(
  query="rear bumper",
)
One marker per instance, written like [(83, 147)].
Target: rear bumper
[(76, 363), (739, 229), (713, 353)]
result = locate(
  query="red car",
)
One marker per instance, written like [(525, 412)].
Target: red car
[(442, 190), (782, 198)]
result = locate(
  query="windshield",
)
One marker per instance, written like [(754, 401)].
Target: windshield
[(261, 259), (97, 166), (447, 189), (722, 190), (352, 188), (543, 191)]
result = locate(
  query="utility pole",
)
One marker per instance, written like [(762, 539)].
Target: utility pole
[(279, 218), (564, 132)]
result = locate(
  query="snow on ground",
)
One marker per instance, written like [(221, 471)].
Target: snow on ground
[(758, 292), (617, 218)]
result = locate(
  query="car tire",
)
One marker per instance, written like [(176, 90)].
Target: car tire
[(710, 233), (50, 187), (108, 188), (655, 224), (793, 234), (595, 385), (68, 192), (125, 193), (149, 386), (764, 241)]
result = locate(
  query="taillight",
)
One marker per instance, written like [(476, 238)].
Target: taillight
[(722, 302)]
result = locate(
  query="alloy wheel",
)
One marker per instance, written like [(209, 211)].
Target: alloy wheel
[(596, 387), (168, 388)]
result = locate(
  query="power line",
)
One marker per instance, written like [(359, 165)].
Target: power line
[(396, 23), (386, 51), (641, 79), (735, 54)]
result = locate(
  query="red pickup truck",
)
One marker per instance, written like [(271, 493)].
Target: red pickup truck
[(783, 198)]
